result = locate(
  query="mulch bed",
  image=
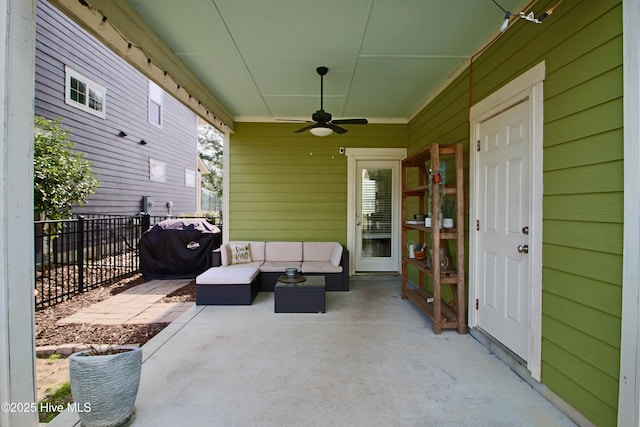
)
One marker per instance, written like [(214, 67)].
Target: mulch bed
[(48, 333)]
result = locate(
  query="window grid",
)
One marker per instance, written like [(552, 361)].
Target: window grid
[(84, 94)]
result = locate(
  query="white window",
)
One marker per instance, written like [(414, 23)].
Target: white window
[(155, 104), (189, 178), (85, 94), (157, 170)]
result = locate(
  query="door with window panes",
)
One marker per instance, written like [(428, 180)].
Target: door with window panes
[(376, 215)]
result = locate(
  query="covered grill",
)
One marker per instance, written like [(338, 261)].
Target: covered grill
[(178, 248)]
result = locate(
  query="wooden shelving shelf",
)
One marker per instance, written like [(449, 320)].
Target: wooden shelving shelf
[(420, 297), (444, 316)]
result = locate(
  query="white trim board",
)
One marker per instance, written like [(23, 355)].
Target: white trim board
[(527, 87), (353, 155), (629, 382)]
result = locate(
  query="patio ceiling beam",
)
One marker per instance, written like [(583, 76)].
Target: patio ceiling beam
[(125, 33)]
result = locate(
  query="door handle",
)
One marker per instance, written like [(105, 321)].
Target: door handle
[(523, 249)]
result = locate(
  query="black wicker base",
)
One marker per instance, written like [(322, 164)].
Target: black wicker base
[(304, 297), (207, 294)]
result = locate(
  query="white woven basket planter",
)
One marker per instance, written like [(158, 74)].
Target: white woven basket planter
[(106, 385)]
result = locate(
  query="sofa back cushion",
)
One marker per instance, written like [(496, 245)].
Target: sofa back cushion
[(283, 251), (256, 251), (321, 251), (336, 256)]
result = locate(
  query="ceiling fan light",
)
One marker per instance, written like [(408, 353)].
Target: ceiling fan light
[(321, 131)]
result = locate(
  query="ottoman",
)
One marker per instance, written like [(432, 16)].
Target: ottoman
[(227, 286), (302, 297)]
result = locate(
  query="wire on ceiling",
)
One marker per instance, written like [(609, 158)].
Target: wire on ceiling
[(150, 63), (530, 17)]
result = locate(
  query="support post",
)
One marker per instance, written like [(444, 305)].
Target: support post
[(17, 80)]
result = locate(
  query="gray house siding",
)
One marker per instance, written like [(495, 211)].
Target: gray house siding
[(122, 163)]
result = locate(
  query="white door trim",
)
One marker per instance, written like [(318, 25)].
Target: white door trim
[(353, 156), (629, 387), (525, 88)]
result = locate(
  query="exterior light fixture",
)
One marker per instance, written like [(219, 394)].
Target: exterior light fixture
[(531, 17), (321, 131), (505, 24)]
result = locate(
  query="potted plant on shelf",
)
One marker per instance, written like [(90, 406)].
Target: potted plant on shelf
[(104, 384), (448, 211)]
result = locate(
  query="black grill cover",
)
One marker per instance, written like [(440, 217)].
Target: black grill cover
[(178, 248)]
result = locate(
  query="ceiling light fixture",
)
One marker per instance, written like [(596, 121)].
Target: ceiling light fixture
[(321, 131)]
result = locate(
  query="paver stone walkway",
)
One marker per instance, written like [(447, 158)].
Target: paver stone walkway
[(140, 304)]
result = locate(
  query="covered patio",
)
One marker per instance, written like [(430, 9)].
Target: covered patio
[(371, 359), (235, 365)]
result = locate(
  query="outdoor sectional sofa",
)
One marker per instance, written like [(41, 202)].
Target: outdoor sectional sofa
[(242, 269)]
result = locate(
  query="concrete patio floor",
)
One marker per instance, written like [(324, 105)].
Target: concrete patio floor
[(371, 360)]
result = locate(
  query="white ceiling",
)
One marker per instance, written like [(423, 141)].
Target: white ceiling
[(385, 57)]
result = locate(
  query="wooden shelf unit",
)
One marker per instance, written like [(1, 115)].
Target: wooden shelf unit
[(431, 303)]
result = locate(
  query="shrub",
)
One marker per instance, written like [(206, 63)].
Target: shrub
[(62, 176)]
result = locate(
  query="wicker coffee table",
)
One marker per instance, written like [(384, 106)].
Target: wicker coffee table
[(300, 297)]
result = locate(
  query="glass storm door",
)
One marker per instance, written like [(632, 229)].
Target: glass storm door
[(376, 216)]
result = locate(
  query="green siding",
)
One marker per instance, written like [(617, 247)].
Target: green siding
[(581, 44), (286, 186)]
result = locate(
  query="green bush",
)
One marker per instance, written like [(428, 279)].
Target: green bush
[(62, 176)]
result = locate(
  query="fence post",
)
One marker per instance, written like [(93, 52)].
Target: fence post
[(80, 252), (145, 223)]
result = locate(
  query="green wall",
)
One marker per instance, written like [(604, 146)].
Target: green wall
[(287, 186), (583, 185)]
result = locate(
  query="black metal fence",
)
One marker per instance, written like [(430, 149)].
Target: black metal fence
[(78, 254)]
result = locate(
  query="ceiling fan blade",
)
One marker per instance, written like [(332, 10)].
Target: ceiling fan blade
[(294, 120), (350, 121), (336, 129), (306, 128), (322, 119)]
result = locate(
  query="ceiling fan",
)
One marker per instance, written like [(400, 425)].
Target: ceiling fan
[(322, 123)]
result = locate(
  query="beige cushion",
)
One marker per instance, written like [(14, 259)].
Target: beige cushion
[(336, 255), (320, 267), (224, 255), (318, 251), (279, 266), (254, 264), (228, 276), (283, 251), (256, 250)]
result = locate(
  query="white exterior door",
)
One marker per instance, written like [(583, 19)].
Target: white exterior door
[(503, 224), (376, 216)]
